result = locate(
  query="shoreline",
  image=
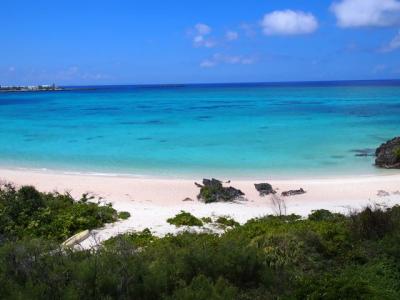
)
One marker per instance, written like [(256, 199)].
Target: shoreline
[(151, 201), (233, 175)]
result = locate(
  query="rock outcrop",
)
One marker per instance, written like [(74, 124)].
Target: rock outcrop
[(388, 154), (213, 191), (293, 192), (264, 189)]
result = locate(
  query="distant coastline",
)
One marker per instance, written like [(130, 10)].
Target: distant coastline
[(40, 88)]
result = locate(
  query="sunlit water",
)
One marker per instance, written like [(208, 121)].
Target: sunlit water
[(281, 130)]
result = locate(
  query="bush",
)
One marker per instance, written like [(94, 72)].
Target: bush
[(371, 223), (26, 212), (185, 219), (137, 239), (123, 215), (323, 215), (226, 222), (397, 152), (206, 220)]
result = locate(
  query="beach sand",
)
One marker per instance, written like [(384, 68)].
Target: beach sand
[(151, 201)]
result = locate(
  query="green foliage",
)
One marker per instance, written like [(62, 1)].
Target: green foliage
[(185, 219), (324, 215), (206, 220), (136, 239), (202, 288), (26, 212), (123, 215), (372, 223), (225, 221), (397, 152), (326, 256)]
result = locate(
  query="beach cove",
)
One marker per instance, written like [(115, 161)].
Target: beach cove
[(151, 201)]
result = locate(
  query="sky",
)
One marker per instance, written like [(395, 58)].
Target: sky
[(97, 42)]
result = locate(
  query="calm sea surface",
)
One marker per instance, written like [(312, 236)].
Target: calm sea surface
[(255, 130)]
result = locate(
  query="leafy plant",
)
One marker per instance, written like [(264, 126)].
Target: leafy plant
[(123, 215), (185, 219), (225, 221)]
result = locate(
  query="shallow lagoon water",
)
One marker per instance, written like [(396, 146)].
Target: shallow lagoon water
[(241, 130)]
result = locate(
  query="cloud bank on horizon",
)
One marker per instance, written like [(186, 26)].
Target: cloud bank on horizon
[(331, 39)]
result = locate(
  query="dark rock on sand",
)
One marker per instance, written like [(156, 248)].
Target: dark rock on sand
[(213, 191), (293, 192), (388, 154), (264, 189)]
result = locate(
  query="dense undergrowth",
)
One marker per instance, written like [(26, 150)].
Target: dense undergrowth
[(326, 256), (28, 213)]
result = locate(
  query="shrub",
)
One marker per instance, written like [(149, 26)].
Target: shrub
[(123, 215), (323, 215), (206, 220), (397, 152), (371, 223), (137, 239), (26, 212), (185, 219), (225, 221)]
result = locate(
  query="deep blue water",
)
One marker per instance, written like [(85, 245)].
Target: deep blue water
[(250, 130)]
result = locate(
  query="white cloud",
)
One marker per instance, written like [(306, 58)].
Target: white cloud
[(226, 59), (393, 44), (361, 13), (199, 39), (202, 29), (231, 35), (288, 22)]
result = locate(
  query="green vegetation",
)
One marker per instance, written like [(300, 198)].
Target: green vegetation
[(206, 220), (136, 239), (123, 215), (397, 152), (185, 219), (28, 213), (326, 256), (226, 221)]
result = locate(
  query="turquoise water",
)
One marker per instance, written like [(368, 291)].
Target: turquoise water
[(210, 130)]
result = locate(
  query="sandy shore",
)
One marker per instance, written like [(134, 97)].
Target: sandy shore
[(151, 201)]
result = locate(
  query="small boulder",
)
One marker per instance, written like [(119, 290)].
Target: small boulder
[(388, 154), (293, 192), (213, 191), (264, 189)]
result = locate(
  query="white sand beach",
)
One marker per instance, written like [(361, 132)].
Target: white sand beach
[(151, 201)]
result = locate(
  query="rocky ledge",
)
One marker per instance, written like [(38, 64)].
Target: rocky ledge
[(388, 154), (213, 191), (293, 192), (264, 189)]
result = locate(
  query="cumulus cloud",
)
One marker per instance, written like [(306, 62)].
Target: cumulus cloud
[(393, 44), (362, 13), (231, 35), (226, 59), (288, 22), (202, 29), (200, 39)]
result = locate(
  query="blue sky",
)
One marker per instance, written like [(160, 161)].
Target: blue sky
[(134, 42)]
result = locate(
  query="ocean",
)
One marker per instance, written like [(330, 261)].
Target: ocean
[(222, 130)]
